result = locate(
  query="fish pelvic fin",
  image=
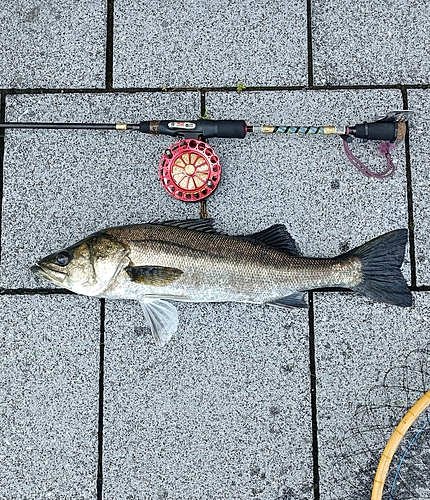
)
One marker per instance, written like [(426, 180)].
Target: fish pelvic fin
[(381, 259), (162, 318)]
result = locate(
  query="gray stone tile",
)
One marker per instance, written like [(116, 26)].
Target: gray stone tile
[(60, 186), (49, 365), (372, 365), (370, 43), (419, 101), (221, 412), (220, 43), (306, 182), (52, 44)]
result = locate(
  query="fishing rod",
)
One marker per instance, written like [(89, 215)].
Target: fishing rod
[(189, 169)]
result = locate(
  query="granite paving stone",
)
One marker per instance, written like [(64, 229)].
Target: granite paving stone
[(226, 409), (370, 43), (419, 102), (60, 186), (221, 412), (53, 44), (207, 44), (49, 365), (370, 361)]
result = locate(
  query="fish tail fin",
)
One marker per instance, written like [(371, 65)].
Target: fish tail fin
[(381, 259)]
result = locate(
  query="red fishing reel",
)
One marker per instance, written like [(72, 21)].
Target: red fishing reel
[(189, 170)]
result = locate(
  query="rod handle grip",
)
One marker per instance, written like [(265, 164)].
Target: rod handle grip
[(200, 129), (377, 131)]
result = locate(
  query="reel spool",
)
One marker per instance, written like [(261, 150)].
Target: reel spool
[(189, 170)]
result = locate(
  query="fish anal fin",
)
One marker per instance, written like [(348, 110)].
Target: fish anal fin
[(296, 299), (153, 275)]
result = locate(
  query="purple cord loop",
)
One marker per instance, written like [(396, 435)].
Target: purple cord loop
[(385, 149)]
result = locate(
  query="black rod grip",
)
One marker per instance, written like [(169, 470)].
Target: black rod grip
[(377, 131), (196, 128), (224, 128)]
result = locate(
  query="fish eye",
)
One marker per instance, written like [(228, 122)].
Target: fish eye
[(63, 258)]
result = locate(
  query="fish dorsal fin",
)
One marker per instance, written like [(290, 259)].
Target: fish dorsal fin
[(153, 275), (277, 237), (204, 225), (162, 317)]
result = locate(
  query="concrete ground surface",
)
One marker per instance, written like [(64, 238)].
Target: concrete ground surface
[(246, 401)]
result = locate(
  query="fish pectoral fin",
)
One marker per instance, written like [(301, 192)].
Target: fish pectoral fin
[(296, 299), (162, 318), (153, 275)]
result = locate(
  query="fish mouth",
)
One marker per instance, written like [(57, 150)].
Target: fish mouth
[(48, 274)]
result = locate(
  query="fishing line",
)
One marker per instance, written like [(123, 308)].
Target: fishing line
[(413, 440), (190, 169), (403, 491)]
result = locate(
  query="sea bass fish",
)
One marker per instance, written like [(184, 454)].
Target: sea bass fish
[(191, 261)]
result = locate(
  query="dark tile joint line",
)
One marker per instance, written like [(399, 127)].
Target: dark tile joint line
[(410, 198), (2, 120), (313, 397), (101, 401)]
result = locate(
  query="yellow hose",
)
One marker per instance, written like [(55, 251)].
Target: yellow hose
[(393, 443)]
